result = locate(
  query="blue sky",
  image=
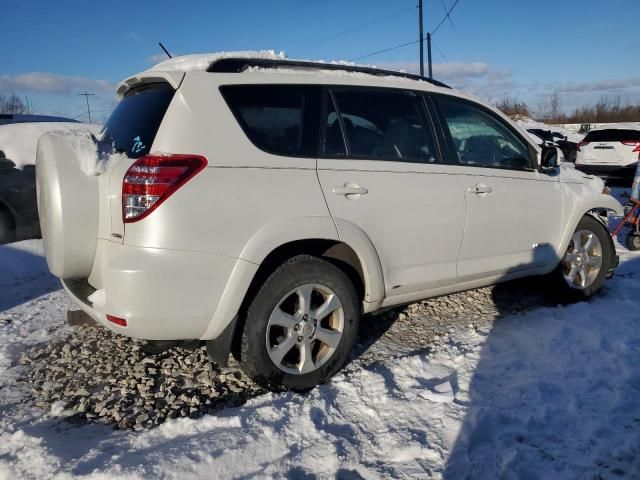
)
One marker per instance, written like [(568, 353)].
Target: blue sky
[(583, 49)]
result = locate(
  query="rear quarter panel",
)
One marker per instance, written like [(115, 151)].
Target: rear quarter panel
[(242, 190)]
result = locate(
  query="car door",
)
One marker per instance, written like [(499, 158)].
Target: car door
[(381, 173), (514, 213)]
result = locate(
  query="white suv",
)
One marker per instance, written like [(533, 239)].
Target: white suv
[(263, 205), (610, 151)]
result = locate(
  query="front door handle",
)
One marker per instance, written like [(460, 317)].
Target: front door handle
[(479, 188), (349, 189)]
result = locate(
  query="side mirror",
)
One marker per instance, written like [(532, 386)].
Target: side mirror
[(549, 158)]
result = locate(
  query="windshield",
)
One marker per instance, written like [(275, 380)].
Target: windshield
[(133, 125)]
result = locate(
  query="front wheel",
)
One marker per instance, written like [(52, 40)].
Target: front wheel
[(301, 325), (633, 242), (584, 267)]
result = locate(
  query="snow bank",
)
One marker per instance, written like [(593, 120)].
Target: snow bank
[(19, 141)]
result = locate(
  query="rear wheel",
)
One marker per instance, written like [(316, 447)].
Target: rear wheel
[(301, 325), (7, 229), (584, 267)]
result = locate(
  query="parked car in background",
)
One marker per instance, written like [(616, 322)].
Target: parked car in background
[(610, 151), (569, 148), (263, 205), (18, 142), (6, 118)]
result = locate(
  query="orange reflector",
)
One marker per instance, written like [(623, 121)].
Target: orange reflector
[(118, 321)]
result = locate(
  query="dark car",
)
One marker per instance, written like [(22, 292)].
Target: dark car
[(18, 139), (6, 118), (569, 148), (18, 211)]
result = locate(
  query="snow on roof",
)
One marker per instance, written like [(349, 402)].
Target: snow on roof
[(201, 61), (617, 126), (19, 141)]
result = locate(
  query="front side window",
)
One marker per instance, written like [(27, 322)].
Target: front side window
[(380, 125), (279, 119), (480, 139)]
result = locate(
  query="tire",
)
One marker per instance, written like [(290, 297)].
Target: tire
[(7, 231), (633, 242), (280, 300), (587, 280)]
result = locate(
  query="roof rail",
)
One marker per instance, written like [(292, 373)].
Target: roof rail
[(239, 65)]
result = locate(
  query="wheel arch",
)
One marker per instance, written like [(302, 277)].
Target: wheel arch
[(593, 207), (352, 252)]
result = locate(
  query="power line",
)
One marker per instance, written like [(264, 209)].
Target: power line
[(368, 24), (385, 50), (86, 96), (395, 47), (440, 52), (444, 7), (447, 15)]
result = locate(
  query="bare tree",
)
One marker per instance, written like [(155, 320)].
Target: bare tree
[(12, 104), (554, 107), (512, 107)]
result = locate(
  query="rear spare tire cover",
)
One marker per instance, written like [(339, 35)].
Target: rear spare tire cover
[(67, 205)]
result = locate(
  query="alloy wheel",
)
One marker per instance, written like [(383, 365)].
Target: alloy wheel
[(305, 328), (583, 260)]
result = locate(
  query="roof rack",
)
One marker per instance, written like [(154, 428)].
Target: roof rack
[(239, 65)]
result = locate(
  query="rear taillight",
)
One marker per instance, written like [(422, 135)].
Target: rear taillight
[(152, 179), (632, 143), (117, 320), (581, 144)]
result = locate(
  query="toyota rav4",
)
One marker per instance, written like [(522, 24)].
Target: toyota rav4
[(263, 205)]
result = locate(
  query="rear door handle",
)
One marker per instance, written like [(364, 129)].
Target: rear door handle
[(349, 189), (478, 189)]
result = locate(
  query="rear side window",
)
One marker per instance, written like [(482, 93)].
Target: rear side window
[(380, 125), (278, 119), (480, 139), (133, 125), (613, 135)]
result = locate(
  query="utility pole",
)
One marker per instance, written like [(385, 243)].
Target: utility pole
[(86, 96), (421, 38), (429, 55)]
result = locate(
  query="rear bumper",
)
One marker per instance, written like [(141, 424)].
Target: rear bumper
[(626, 172), (162, 294)]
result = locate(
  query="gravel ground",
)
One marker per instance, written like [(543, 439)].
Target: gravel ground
[(95, 376)]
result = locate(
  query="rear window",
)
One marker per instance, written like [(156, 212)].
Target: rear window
[(613, 135), (133, 125), (278, 119)]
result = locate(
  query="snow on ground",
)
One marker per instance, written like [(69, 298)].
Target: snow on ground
[(19, 141), (550, 393)]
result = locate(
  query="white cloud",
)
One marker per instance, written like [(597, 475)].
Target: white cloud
[(51, 83), (605, 86)]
